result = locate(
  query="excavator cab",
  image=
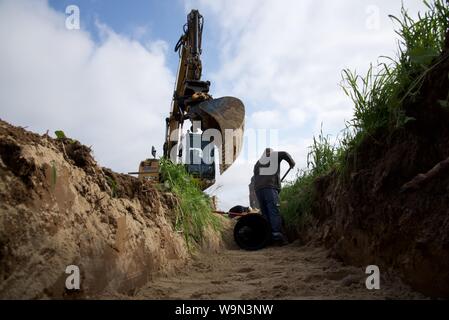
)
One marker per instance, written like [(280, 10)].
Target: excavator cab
[(149, 170), (199, 159)]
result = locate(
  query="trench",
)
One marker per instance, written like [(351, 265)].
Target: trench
[(294, 271)]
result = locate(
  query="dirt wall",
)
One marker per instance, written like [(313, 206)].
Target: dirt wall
[(59, 208), (391, 208)]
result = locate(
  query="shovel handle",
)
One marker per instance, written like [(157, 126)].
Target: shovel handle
[(285, 175)]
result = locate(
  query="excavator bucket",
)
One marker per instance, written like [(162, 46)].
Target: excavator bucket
[(227, 115)]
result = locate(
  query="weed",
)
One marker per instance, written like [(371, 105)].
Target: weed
[(194, 210), (60, 135), (113, 185), (379, 98), (53, 175), (297, 197)]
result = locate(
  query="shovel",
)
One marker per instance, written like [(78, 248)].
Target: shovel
[(285, 175)]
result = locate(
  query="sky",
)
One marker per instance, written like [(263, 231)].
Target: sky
[(109, 83)]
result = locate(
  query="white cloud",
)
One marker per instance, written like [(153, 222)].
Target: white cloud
[(266, 119), (276, 119), (114, 95)]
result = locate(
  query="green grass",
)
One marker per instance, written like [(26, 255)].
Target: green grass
[(113, 185), (378, 98), (54, 174), (296, 200), (297, 197), (379, 95), (194, 211)]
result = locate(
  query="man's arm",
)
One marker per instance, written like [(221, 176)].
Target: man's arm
[(286, 156), (256, 169)]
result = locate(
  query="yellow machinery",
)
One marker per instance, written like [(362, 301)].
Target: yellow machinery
[(192, 101), (149, 168)]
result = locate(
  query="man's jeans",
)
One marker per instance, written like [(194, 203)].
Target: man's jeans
[(269, 205)]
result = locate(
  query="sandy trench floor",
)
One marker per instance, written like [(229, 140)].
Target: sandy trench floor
[(289, 272)]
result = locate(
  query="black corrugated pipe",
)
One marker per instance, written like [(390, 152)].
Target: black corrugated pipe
[(252, 232)]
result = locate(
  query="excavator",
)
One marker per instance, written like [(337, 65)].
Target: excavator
[(201, 152)]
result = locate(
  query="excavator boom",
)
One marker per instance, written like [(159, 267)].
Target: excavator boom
[(192, 101)]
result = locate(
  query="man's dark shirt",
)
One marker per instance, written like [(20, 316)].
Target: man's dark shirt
[(272, 180)]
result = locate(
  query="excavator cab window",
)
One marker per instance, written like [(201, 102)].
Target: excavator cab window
[(198, 163)]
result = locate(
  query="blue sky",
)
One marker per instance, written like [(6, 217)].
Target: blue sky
[(110, 84), (161, 20)]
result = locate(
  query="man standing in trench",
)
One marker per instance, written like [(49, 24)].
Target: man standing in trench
[(267, 184)]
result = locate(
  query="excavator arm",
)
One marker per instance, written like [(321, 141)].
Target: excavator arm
[(188, 78), (191, 101)]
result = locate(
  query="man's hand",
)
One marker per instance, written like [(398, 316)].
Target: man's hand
[(285, 156)]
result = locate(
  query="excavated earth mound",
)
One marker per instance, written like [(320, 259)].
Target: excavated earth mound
[(59, 208)]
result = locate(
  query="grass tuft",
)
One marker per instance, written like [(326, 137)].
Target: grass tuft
[(194, 210), (378, 98), (297, 197)]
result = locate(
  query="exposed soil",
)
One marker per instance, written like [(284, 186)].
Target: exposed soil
[(392, 207), (290, 272), (58, 208)]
